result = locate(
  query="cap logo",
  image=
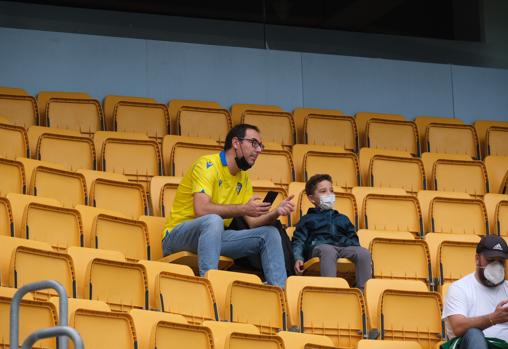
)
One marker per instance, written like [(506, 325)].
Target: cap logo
[(497, 247)]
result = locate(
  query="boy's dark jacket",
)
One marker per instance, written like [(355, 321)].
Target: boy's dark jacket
[(319, 227)]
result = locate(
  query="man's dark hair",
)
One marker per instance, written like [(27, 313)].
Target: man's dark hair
[(313, 181), (239, 132)]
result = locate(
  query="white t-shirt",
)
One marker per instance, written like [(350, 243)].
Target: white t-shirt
[(470, 298)]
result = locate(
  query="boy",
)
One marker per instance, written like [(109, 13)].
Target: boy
[(325, 233)]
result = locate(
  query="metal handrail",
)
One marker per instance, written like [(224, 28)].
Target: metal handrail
[(57, 331), (15, 304)]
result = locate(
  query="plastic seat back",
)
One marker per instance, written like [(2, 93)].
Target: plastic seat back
[(458, 216), (331, 130), (19, 110), (13, 142), (149, 118), (83, 115), (125, 197), (393, 135), (212, 123), (12, 177), (73, 152), (397, 172), (452, 139), (472, 180)]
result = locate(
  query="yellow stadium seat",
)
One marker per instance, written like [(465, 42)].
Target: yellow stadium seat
[(361, 192), (35, 132), (318, 314), (33, 316), (387, 344), (301, 114), (126, 197), (452, 139), (175, 105), (83, 115), (275, 126), (100, 138), (392, 135), (43, 98), (29, 166), (497, 210), (300, 152), (482, 127), (12, 177), (397, 309), (147, 322), (212, 123), (6, 220), (295, 285), (162, 193), (423, 121), (73, 152), (222, 330), (367, 167), (367, 235), (155, 227), (13, 142), (374, 289), (88, 216), (18, 204), (92, 175), (472, 180), (260, 341), (19, 110), (16, 91), (30, 265), (183, 155), (238, 109), (332, 130), (58, 226), (497, 140), (110, 103), (121, 234), (397, 172), (362, 118), (497, 168), (298, 340), (275, 165), (387, 255), (149, 118), (178, 335), (458, 216), (425, 197), (65, 186)]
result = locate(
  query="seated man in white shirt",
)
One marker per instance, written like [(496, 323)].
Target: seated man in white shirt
[(476, 306)]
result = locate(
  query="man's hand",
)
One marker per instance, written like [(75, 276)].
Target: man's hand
[(299, 267), (500, 315), (254, 209), (286, 206)]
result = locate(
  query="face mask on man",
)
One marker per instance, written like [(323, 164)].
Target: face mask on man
[(327, 202), (242, 162), (493, 274)]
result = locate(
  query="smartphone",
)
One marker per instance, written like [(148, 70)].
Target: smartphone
[(270, 196)]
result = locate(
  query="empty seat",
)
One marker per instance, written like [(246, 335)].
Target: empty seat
[(365, 236), (162, 193), (30, 265), (425, 197), (239, 109), (397, 172), (482, 127), (472, 180), (110, 103), (155, 226), (387, 255), (275, 165), (175, 105), (30, 165), (318, 314), (149, 118), (128, 198), (33, 316), (299, 340), (497, 169), (19, 110), (178, 335), (138, 160), (423, 121), (294, 286), (43, 98), (212, 123), (222, 331), (83, 115), (497, 140), (300, 114), (397, 309), (13, 142), (392, 135), (458, 216), (6, 220), (361, 192), (65, 186), (299, 152), (73, 152), (392, 213), (35, 132), (121, 234), (452, 256), (387, 344), (367, 167), (452, 139), (88, 216), (58, 226), (101, 136), (362, 118), (497, 210), (147, 323), (92, 175), (12, 177), (18, 204), (122, 285), (374, 289)]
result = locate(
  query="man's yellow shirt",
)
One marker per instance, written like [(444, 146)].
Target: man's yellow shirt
[(210, 175)]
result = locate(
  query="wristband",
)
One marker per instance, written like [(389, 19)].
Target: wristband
[(490, 320)]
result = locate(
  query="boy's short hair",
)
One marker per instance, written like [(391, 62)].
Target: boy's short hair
[(313, 181)]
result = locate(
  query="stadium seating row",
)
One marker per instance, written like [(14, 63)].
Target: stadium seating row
[(79, 112)]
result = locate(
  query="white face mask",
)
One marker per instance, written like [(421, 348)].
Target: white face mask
[(326, 202), (494, 273)]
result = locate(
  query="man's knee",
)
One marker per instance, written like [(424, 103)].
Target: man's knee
[(475, 333), (212, 221), (271, 236)]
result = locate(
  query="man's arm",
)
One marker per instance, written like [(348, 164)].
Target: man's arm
[(203, 205), (284, 208), (460, 323)]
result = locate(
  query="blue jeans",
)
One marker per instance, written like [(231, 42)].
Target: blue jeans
[(207, 237), (473, 339)]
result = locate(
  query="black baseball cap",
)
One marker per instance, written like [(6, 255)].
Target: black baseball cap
[(492, 246)]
